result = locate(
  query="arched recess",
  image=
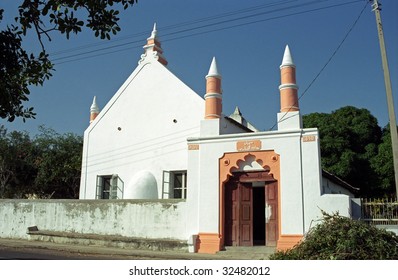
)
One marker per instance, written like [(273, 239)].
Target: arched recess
[(232, 162)]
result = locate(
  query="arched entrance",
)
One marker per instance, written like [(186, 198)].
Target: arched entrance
[(249, 199), (251, 209)]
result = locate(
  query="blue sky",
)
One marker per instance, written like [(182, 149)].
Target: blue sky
[(247, 38)]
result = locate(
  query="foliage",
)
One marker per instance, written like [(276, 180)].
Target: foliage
[(383, 163), (352, 148), (45, 166), (58, 163), (19, 70), (341, 238), (17, 152)]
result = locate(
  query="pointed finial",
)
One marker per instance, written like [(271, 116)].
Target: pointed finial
[(154, 31), (94, 107), (287, 58), (153, 49), (237, 111), (213, 71)]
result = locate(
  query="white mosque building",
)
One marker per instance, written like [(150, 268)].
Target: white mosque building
[(158, 139)]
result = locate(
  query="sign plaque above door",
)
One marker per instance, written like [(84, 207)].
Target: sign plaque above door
[(248, 145)]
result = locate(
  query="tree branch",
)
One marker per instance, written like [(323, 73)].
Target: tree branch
[(45, 32), (37, 28)]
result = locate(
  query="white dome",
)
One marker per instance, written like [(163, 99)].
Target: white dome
[(143, 185)]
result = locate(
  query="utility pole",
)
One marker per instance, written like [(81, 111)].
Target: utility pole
[(390, 101)]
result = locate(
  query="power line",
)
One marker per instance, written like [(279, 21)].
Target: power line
[(326, 64), (203, 32), (178, 25), (184, 24)]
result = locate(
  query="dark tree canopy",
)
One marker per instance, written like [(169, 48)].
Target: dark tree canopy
[(352, 148), (20, 69), (383, 164), (45, 166)]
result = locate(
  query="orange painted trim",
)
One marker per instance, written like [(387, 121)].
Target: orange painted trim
[(213, 84), (93, 116), (288, 75), (288, 90), (162, 60), (289, 100), (308, 138), (288, 241), (153, 41), (193, 147), (213, 98), (213, 108), (248, 145), (208, 243), (154, 45), (228, 162)]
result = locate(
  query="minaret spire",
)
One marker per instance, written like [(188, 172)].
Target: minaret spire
[(288, 88), (289, 116), (287, 58), (153, 48), (94, 110), (213, 71), (213, 96), (154, 31)]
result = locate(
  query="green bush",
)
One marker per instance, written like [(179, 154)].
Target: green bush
[(341, 238)]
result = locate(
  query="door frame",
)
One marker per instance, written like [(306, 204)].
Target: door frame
[(240, 179), (229, 164)]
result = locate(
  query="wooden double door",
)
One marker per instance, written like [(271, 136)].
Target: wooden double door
[(251, 212)]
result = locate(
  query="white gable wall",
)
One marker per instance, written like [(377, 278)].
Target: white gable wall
[(143, 127)]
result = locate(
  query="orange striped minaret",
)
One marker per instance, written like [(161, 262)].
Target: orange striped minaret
[(213, 97), (288, 88), (94, 110)]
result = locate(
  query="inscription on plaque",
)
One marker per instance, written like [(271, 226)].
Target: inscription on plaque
[(249, 145)]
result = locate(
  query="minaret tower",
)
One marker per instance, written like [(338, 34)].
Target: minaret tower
[(213, 97), (289, 116), (94, 110), (153, 48)]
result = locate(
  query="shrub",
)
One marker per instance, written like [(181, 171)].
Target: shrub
[(341, 238)]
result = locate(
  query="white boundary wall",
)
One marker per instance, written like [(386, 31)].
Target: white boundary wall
[(153, 219)]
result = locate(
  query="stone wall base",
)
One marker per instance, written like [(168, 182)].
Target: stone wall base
[(109, 241)]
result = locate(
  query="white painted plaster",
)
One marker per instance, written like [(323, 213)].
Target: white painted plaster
[(300, 181), (130, 218), (210, 127), (329, 187), (142, 186), (289, 120), (287, 59), (250, 164), (213, 71), (143, 127), (229, 127), (94, 106)]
